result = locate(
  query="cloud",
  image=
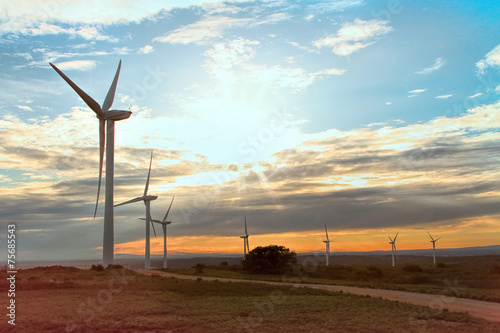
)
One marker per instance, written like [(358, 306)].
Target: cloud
[(44, 17), (438, 63), (202, 31), (229, 63), (475, 95), (444, 96), (492, 59), (80, 65), (416, 92), (146, 49), (24, 107), (354, 36)]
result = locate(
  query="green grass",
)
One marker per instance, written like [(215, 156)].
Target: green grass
[(480, 283), (123, 301)]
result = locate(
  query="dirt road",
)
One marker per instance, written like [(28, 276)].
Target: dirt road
[(486, 310)]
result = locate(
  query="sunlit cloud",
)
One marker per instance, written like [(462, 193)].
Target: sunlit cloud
[(202, 31), (354, 36), (444, 96), (80, 65)]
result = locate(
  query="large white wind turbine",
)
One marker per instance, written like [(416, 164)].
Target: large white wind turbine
[(106, 117), (147, 200), (245, 240), (164, 223), (327, 242), (393, 249), (433, 241)]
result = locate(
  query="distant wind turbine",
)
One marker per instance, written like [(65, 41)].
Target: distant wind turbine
[(393, 250), (245, 240), (327, 243), (164, 223), (105, 116), (433, 241), (147, 200)]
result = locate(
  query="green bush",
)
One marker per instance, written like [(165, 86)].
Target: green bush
[(272, 259)]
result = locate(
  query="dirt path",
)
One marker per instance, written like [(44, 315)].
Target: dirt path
[(486, 310)]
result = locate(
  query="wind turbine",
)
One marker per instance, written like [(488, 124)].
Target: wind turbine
[(164, 224), (327, 242), (147, 201), (245, 240), (393, 250), (433, 241), (107, 119)]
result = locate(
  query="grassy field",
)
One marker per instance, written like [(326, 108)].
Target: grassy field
[(63, 299), (468, 277)]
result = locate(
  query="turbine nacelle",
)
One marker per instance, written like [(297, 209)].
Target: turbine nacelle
[(115, 115)]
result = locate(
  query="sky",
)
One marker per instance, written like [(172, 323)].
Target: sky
[(372, 117)]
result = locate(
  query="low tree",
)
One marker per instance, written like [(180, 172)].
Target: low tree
[(272, 259)]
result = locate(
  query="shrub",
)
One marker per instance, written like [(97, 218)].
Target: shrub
[(199, 268), (97, 268), (272, 259), (412, 269), (441, 265), (224, 263), (375, 271), (114, 267)]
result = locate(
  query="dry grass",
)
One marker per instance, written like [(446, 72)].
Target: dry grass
[(480, 282), (123, 301)]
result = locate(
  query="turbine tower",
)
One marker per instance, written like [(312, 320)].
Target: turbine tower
[(393, 249), (245, 240), (164, 223), (327, 243), (433, 241), (107, 120), (147, 201)]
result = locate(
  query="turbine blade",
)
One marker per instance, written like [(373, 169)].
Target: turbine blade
[(430, 236), (149, 174), (111, 93), (171, 202), (396, 236), (390, 238), (246, 232), (326, 231), (437, 239), (102, 134), (86, 98), (129, 202), (152, 224)]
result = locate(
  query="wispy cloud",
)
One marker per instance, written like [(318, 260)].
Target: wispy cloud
[(492, 59), (202, 31), (475, 95), (229, 62), (444, 96), (31, 16), (79, 65), (438, 63), (354, 36), (416, 92), (24, 107)]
